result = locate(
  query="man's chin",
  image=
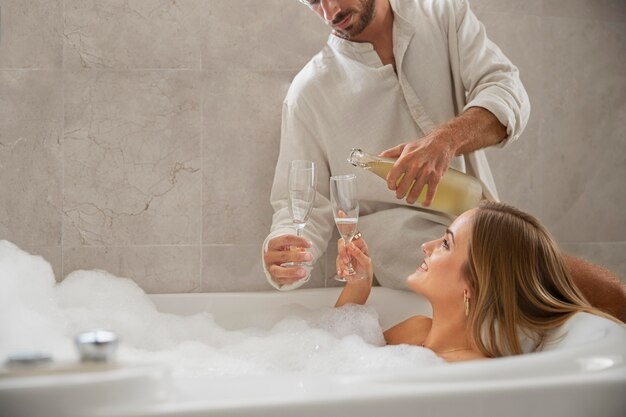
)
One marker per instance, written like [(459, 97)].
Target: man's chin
[(342, 34)]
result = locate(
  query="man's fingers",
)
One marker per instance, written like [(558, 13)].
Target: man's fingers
[(415, 191), (287, 275), (431, 188), (282, 256), (395, 175), (394, 152), (430, 194), (285, 241)]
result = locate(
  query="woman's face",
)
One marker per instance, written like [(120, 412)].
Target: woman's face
[(442, 275)]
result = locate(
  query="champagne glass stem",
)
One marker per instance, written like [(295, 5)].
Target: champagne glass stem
[(351, 270), (299, 229)]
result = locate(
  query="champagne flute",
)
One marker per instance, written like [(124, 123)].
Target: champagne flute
[(301, 198), (345, 205)]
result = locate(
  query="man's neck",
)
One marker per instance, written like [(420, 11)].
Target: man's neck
[(379, 33)]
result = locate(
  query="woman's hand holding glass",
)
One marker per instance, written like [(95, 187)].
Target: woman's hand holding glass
[(358, 285), (345, 205), (355, 254)]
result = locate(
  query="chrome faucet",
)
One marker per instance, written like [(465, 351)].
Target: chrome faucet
[(97, 345)]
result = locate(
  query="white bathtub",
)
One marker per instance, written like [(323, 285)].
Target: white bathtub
[(585, 375)]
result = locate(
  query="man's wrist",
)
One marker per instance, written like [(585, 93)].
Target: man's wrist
[(475, 129), (450, 138)]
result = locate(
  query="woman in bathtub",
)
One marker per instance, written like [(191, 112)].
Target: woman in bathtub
[(496, 269)]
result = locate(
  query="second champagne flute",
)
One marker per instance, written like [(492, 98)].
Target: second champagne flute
[(345, 204), (301, 187)]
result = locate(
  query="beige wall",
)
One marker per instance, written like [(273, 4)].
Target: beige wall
[(140, 136)]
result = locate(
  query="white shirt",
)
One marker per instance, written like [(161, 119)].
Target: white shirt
[(346, 98)]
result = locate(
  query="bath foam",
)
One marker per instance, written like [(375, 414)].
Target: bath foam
[(30, 318), (38, 314)]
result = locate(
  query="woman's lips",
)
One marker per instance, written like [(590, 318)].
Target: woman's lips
[(423, 266)]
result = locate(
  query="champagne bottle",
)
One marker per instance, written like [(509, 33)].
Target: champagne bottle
[(457, 192)]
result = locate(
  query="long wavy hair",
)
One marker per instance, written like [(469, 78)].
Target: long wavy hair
[(521, 286)]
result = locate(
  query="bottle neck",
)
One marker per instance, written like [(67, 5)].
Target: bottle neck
[(362, 159)]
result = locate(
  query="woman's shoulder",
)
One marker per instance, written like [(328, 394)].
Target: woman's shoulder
[(411, 331)]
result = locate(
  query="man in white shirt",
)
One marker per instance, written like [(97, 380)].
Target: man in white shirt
[(416, 80)]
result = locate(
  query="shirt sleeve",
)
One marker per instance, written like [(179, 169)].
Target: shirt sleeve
[(489, 78), (299, 141)]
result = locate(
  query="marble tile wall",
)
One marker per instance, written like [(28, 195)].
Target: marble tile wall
[(573, 154), (140, 137)]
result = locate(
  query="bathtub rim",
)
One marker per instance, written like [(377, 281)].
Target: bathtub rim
[(571, 360)]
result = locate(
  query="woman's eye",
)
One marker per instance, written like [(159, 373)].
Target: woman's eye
[(444, 243)]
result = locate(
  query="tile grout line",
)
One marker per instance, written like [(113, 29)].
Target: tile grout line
[(63, 78), (202, 139)]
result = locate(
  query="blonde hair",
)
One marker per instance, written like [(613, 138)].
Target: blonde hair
[(519, 281)]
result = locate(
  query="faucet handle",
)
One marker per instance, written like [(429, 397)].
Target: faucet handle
[(27, 358), (97, 345)]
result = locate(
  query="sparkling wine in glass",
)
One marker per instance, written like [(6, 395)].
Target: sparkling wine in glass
[(345, 205), (301, 197)]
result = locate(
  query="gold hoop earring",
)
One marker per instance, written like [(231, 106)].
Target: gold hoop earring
[(466, 303)]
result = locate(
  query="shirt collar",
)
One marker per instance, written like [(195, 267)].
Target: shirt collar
[(359, 51)]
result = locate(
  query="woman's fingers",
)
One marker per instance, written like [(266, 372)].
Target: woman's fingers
[(359, 255), (361, 244), (362, 264)]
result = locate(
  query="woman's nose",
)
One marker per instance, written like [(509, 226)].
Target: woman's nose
[(427, 247)]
